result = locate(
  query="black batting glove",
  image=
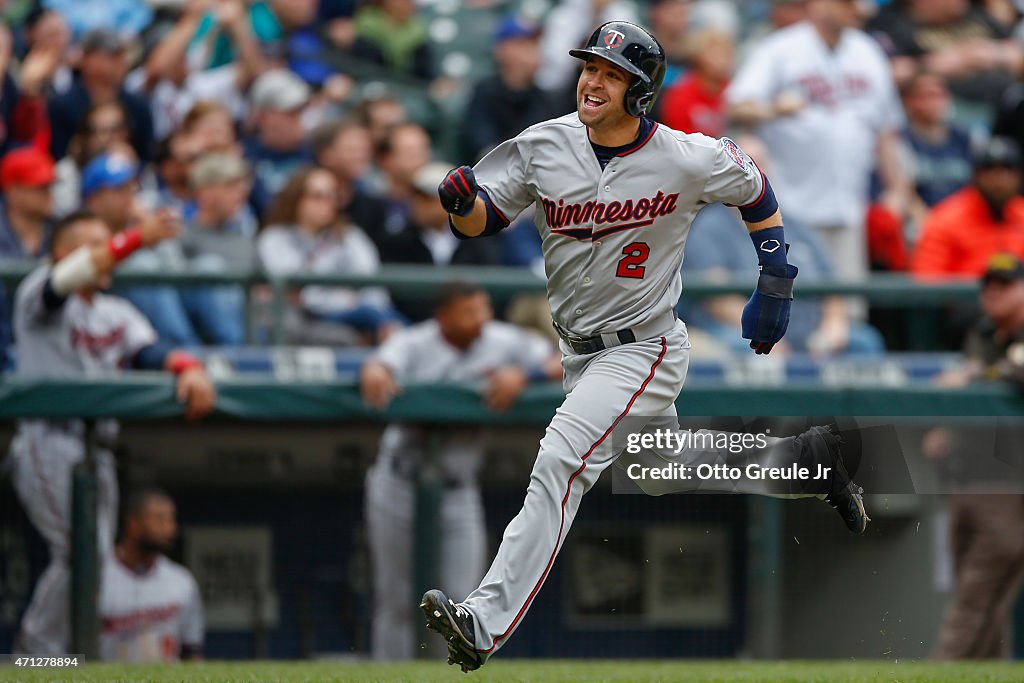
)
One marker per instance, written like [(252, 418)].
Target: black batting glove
[(458, 191)]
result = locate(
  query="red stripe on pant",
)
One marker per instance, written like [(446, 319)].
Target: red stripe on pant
[(568, 490)]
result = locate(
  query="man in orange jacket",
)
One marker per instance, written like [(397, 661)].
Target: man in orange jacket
[(987, 217)]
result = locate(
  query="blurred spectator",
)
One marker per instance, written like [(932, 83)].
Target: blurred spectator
[(986, 508), (109, 189), (428, 239), (48, 31), (821, 98), (987, 217), (68, 328), (26, 177), (276, 145), (345, 149), (503, 105), (26, 210), (127, 17), (149, 608), (696, 103), (395, 30), (941, 151), (380, 110), (781, 14), (220, 184), (824, 327), (306, 234), (172, 161), (955, 39), (22, 107), (172, 89), (567, 26), (109, 185), (104, 127), (402, 154), (461, 343), (102, 69), (270, 23), (669, 20), (213, 128)]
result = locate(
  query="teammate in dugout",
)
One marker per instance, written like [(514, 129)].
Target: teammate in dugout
[(616, 193), (67, 327), (461, 343), (149, 607)]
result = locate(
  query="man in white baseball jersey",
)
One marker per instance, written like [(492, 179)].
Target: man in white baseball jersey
[(67, 327), (150, 609), (615, 194), (461, 344), (821, 98)]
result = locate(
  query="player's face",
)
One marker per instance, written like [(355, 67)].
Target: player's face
[(998, 183), (1002, 300), (462, 320), (601, 94), (157, 525)]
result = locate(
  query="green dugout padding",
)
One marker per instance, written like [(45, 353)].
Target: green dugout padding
[(145, 396)]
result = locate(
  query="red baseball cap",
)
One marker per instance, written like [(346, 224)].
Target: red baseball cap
[(26, 166)]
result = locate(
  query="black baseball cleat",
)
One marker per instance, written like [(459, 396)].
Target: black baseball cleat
[(455, 625), (824, 444)]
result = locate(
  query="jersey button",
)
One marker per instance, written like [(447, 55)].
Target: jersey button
[(579, 311), (607, 188), (587, 280)]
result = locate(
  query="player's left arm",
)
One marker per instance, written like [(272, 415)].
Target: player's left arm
[(735, 179), (194, 388)]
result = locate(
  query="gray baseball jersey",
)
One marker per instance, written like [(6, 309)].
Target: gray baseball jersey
[(613, 239), (147, 616), (75, 340), (420, 354), (613, 244)]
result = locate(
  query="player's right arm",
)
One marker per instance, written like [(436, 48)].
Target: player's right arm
[(485, 207), (88, 265), (380, 375)]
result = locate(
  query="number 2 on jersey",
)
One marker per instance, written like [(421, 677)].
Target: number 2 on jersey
[(633, 256)]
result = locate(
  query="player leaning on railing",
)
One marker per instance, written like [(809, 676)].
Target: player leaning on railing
[(615, 194), (67, 327)]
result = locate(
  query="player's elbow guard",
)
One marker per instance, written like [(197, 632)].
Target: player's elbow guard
[(74, 271)]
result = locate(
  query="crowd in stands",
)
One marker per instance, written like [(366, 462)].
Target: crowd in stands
[(308, 136)]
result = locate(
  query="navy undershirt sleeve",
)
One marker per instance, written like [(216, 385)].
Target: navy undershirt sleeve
[(152, 357), (495, 221)]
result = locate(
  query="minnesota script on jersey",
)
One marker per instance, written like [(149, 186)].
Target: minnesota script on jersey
[(613, 240)]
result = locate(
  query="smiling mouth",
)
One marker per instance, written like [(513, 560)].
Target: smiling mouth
[(593, 103)]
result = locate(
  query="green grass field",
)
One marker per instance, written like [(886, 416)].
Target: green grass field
[(510, 670)]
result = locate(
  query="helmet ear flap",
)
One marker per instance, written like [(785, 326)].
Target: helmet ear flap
[(638, 98)]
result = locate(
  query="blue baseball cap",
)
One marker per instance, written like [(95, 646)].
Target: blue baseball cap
[(107, 170), (516, 26)]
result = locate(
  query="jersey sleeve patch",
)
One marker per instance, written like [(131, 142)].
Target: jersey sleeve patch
[(738, 156)]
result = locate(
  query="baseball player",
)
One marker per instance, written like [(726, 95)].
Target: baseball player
[(67, 327), (615, 194), (460, 344), (149, 607)]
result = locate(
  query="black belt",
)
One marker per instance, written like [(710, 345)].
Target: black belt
[(599, 342), (593, 344)]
